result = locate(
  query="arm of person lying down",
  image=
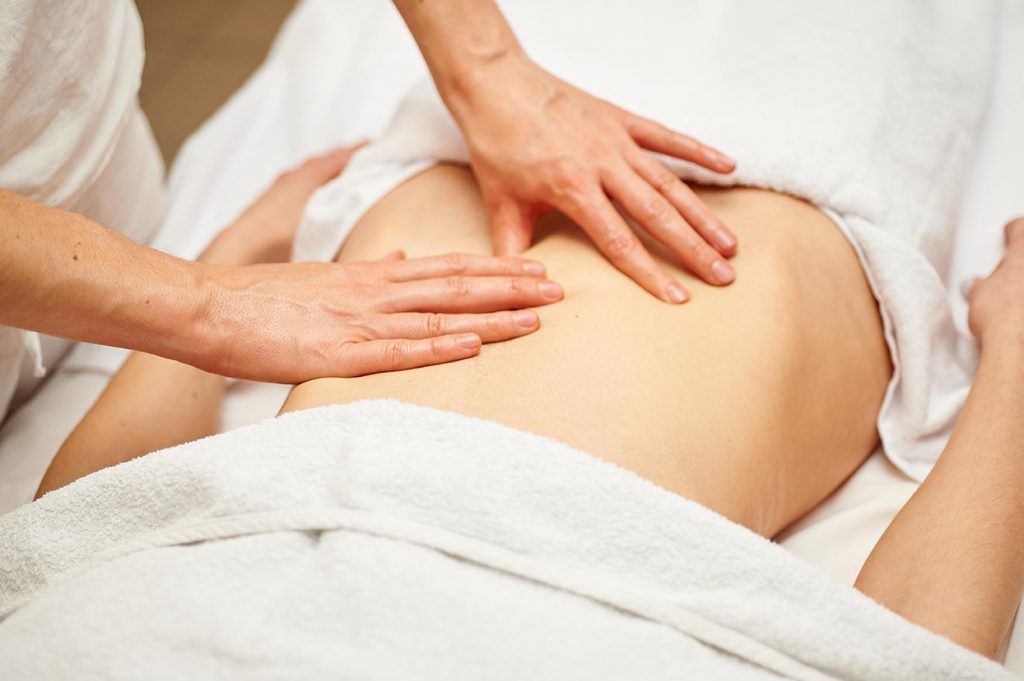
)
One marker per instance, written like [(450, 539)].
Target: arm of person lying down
[(536, 143), (152, 403), (953, 558)]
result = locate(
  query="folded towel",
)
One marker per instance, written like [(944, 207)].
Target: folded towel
[(385, 540)]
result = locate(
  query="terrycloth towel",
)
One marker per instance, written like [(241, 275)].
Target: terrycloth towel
[(870, 110), (381, 540)]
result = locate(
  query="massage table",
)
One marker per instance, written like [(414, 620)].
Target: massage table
[(258, 134)]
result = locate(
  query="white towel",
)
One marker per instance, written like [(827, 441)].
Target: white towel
[(381, 540), (870, 110)]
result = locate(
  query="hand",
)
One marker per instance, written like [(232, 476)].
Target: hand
[(997, 302), (294, 322), (538, 143)]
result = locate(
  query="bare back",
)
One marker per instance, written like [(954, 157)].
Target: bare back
[(756, 400)]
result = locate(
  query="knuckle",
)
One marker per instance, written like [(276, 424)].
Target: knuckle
[(634, 126), (510, 266), (458, 288), (565, 177), (395, 353), (320, 165), (368, 291), (436, 324), (654, 209), (437, 350), (285, 178), (358, 326), (665, 182), (516, 287), (620, 245), (456, 262), (495, 323), (700, 253)]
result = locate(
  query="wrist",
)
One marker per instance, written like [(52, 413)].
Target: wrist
[(459, 39), (463, 82), (1002, 353), (1005, 339), (195, 326)]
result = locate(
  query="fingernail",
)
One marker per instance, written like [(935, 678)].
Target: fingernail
[(527, 318), (722, 272), (534, 269), (676, 294), (725, 240), (469, 341), (550, 290), (725, 160)]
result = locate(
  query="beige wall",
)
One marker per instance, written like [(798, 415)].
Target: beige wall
[(197, 53)]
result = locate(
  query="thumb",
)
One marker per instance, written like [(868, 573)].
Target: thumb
[(1014, 229), (511, 227)]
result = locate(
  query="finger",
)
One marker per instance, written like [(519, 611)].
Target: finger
[(511, 228), (654, 213), (371, 357), (656, 137), (596, 215), (967, 288), (335, 161), (1014, 230), (322, 169), (689, 205), (469, 294), (462, 264), (491, 327)]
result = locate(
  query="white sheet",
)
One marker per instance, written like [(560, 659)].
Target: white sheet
[(288, 545), (242, 148)]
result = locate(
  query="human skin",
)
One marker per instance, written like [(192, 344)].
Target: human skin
[(953, 558), (153, 402), (536, 142), (759, 433), (756, 400), (65, 275)]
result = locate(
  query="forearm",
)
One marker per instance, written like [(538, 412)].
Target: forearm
[(953, 558), (151, 403), (458, 38), (64, 275)]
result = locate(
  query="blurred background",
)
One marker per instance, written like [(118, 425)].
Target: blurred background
[(198, 52)]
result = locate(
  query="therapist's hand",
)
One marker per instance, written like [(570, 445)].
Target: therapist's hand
[(538, 143), (292, 322), (65, 275), (997, 302), (288, 322)]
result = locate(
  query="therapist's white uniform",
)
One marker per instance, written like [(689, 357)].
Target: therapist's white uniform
[(72, 136)]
